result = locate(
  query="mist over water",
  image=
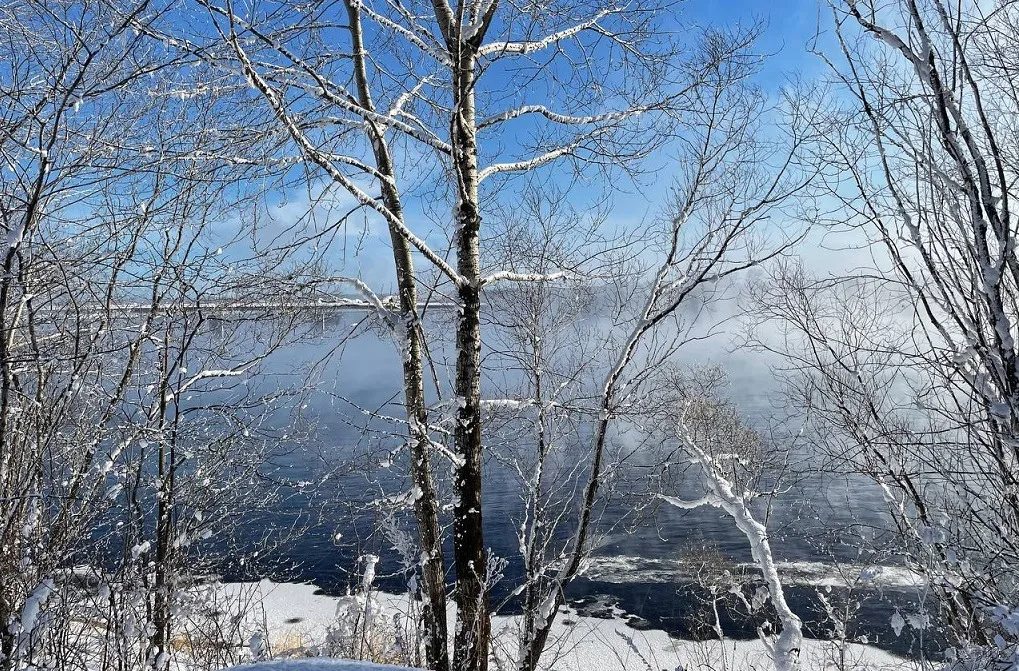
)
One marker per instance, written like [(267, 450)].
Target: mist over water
[(344, 479)]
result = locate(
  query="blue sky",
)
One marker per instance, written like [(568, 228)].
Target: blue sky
[(789, 26)]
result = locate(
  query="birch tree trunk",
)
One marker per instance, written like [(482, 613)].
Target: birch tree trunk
[(426, 506), (473, 617)]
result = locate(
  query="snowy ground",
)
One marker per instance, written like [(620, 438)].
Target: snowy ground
[(317, 665), (298, 619)]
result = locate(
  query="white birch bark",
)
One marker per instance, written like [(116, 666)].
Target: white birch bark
[(784, 648)]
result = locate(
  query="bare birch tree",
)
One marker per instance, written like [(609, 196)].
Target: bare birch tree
[(729, 181), (440, 56), (909, 369), (736, 468), (455, 106)]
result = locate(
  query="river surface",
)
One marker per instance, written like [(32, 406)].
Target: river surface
[(328, 513)]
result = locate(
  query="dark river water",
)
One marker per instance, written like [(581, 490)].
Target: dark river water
[(328, 514)]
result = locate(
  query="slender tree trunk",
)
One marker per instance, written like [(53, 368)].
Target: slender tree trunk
[(473, 617), (426, 506), (164, 506), (534, 558), (8, 555), (161, 595)]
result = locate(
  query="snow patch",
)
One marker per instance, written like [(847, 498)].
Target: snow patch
[(625, 569), (317, 665), (583, 643)]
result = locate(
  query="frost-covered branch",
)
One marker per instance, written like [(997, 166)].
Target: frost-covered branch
[(522, 48), (786, 647), (507, 403), (564, 119), (530, 163), (330, 90), (509, 276), (210, 374), (418, 36), (276, 103)]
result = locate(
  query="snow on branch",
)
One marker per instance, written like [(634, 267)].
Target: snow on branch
[(362, 288), (207, 374), (506, 403), (24, 627), (706, 500), (530, 163), (276, 103), (406, 97), (441, 449), (565, 119), (785, 648), (417, 38), (522, 48), (15, 234), (482, 20), (324, 87), (509, 276)]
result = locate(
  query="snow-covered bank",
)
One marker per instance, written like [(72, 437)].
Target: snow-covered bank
[(297, 619), (317, 665), (622, 569)]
